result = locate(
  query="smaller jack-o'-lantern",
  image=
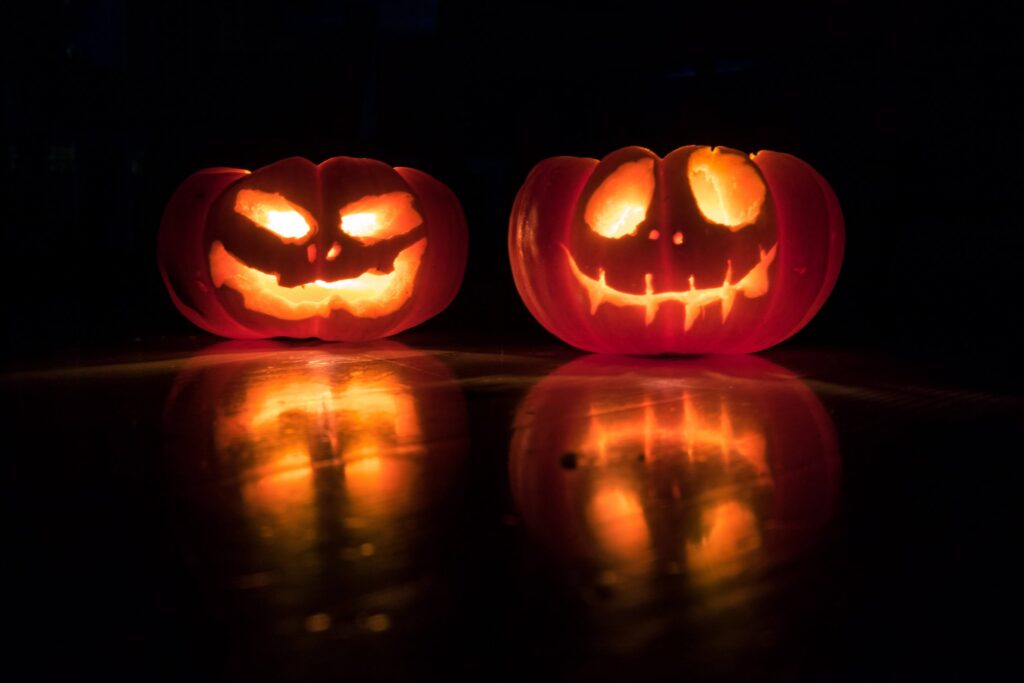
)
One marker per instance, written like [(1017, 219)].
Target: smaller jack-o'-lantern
[(704, 251), (348, 250), (704, 469)]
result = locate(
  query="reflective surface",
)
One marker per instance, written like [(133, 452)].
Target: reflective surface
[(669, 489), (251, 511), (705, 469), (322, 477)]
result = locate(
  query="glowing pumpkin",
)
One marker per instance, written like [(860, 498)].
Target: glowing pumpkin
[(312, 471), (348, 250), (706, 250), (707, 468)]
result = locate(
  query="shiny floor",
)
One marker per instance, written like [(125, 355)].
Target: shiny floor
[(324, 512)]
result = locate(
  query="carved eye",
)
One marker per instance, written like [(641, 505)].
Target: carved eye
[(274, 213), (620, 203), (728, 191), (379, 217)]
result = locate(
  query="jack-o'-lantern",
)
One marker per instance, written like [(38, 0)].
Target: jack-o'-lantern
[(319, 475), (704, 251), (706, 470), (349, 250)]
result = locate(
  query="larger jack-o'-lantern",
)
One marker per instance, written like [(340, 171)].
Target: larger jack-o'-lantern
[(349, 250), (704, 251), (318, 476), (705, 470)]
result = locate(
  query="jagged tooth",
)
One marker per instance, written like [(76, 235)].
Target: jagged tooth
[(728, 298), (692, 311), (651, 308), (596, 293), (756, 281)]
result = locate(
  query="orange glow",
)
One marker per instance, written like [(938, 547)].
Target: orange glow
[(312, 392), (274, 213), (617, 518), (289, 424), (379, 217), (370, 295), (729, 534), (319, 464), (620, 203), (646, 474), (727, 188), (669, 426), (753, 285)]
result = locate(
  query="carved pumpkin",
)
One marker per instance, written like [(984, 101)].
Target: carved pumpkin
[(708, 468), (348, 250), (315, 474), (707, 250)]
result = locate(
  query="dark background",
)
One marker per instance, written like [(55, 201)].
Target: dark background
[(108, 106)]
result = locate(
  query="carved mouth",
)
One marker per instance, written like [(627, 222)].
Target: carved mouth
[(370, 295), (753, 285)]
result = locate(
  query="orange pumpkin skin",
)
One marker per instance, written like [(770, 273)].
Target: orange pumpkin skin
[(703, 251), (347, 250)]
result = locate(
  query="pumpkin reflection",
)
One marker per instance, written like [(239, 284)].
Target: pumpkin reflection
[(301, 418), (710, 468), (332, 462)]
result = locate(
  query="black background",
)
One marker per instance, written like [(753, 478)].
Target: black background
[(909, 114)]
